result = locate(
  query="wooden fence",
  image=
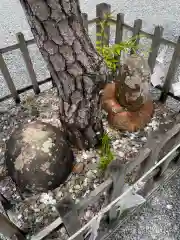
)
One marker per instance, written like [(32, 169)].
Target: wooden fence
[(23, 46), (101, 9), (157, 146), (70, 212)]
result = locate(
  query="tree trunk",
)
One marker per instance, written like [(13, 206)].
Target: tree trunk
[(76, 68)]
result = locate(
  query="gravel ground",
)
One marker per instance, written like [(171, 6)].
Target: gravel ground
[(38, 211), (12, 20)]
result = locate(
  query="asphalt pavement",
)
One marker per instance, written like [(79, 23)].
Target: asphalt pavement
[(158, 219)]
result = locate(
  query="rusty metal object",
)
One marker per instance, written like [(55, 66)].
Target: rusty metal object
[(119, 117), (132, 91), (127, 101)]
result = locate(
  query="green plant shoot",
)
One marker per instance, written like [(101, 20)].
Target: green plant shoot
[(106, 155), (112, 53)]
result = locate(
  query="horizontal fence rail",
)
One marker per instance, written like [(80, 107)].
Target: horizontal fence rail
[(101, 9), (23, 46)]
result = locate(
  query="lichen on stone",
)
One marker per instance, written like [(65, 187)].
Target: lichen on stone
[(23, 160), (47, 145), (45, 167)]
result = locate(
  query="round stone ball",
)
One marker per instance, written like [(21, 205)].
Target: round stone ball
[(38, 157)]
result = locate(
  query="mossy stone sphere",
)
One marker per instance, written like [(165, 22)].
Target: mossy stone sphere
[(38, 157)]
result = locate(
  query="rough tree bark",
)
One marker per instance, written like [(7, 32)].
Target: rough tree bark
[(75, 66)]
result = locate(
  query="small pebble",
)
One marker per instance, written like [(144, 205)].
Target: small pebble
[(144, 139), (93, 160), (89, 214), (70, 190), (90, 174), (77, 200), (78, 168), (85, 183), (147, 129), (36, 210), (53, 201), (63, 231), (78, 159), (73, 196), (116, 142), (54, 209), (84, 155), (40, 219), (169, 206), (59, 194), (134, 149), (121, 154), (19, 216), (132, 137), (77, 187)]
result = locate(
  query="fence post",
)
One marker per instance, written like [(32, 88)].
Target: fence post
[(118, 184), (136, 31), (156, 143), (85, 20), (169, 144), (5, 203), (171, 72), (8, 79), (119, 28), (119, 37), (117, 173), (68, 212), (28, 62), (101, 10), (156, 41), (8, 229)]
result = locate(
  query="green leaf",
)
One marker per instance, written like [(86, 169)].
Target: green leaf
[(99, 34), (114, 61), (105, 36), (111, 53), (102, 24)]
